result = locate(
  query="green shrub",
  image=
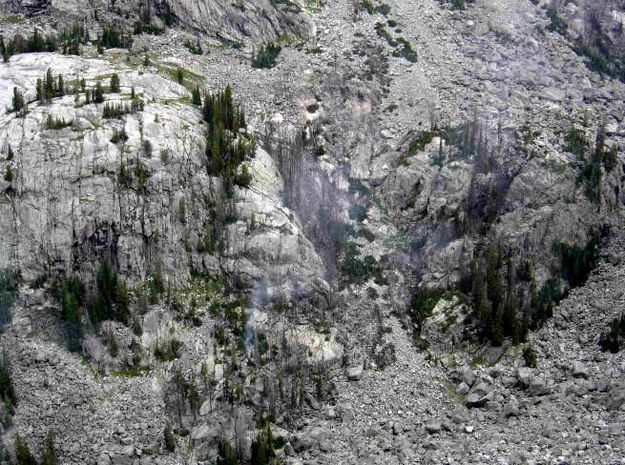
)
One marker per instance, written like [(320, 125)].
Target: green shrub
[(196, 97), (119, 136)]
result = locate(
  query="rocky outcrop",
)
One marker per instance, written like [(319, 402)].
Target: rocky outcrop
[(69, 206), (255, 21)]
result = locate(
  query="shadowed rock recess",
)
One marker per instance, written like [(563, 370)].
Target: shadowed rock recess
[(312, 232)]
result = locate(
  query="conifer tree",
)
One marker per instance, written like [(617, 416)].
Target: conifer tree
[(169, 439), (196, 97), (115, 84), (61, 86), (49, 85), (98, 94), (22, 453), (49, 455), (18, 100), (225, 454)]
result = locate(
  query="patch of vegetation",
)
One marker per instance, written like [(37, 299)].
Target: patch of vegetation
[(111, 301), (266, 56), (263, 447), (613, 339), (8, 174), (424, 138), (601, 157), (421, 306), (118, 110), (504, 308), (556, 24), (529, 356), (7, 391), (8, 294), (18, 103), (71, 294), (359, 271), (169, 439), (32, 44), (406, 51), (194, 47), (168, 351), (119, 136), (54, 123), (73, 38), (112, 37)]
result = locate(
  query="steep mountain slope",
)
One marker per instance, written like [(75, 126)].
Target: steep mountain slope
[(419, 270)]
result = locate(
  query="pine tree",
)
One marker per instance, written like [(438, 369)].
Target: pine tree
[(22, 453), (262, 447), (98, 94), (179, 75), (497, 331), (169, 439), (61, 86), (70, 303), (49, 455), (39, 90), (8, 175), (115, 84), (10, 154), (49, 85), (18, 100), (511, 319), (225, 454), (196, 97)]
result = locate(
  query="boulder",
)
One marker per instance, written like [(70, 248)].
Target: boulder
[(354, 373), (433, 427)]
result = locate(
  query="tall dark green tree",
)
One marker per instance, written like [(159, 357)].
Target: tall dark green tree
[(111, 300), (22, 453), (18, 100), (49, 455), (196, 97), (225, 454), (115, 84)]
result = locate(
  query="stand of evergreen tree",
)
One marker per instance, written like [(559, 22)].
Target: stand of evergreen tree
[(32, 44), (111, 300), (505, 297), (226, 148)]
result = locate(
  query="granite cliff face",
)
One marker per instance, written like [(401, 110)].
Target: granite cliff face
[(400, 147)]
